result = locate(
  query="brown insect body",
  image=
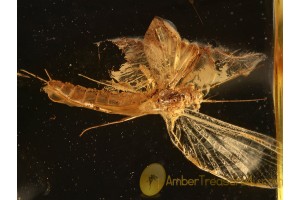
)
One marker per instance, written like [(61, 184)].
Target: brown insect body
[(167, 75), (175, 101), (100, 100), (123, 103)]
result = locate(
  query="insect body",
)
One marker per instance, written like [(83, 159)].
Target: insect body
[(167, 75), (99, 100)]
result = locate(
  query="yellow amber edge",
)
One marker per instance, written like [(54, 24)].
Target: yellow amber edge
[(278, 86)]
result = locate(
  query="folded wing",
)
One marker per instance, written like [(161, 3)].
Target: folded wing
[(174, 61), (170, 58)]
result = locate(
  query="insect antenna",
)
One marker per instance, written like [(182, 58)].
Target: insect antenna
[(50, 79), (22, 75), (36, 76)]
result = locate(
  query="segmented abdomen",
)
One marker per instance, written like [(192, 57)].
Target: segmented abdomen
[(102, 100)]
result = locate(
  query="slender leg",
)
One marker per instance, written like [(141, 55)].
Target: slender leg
[(109, 123), (233, 101), (117, 86), (99, 82)]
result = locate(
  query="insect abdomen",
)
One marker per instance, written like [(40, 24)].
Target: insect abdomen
[(101, 100)]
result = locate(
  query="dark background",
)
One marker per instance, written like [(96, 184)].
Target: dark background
[(55, 163)]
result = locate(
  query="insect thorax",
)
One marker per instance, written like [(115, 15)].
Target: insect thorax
[(170, 100)]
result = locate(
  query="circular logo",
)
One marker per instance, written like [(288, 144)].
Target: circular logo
[(152, 179)]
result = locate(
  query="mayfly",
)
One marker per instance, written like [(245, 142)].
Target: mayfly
[(170, 76)]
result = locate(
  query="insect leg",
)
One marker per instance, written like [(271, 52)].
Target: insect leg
[(117, 86), (193, 5), (99, 82), (109, 123), (228, 101)]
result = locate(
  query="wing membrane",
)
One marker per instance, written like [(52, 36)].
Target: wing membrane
[(163, 60), (168, 55), (217, 66), (233, 153), (174, 61), (134, 75)]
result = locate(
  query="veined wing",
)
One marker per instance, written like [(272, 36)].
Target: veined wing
[(174, 61), (170, 58), (233, 153), (218, 65), (133, 76)]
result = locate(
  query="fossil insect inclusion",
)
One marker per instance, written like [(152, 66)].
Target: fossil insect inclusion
[(167, 75)]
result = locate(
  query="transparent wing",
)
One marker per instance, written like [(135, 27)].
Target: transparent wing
[(134, 75), (169, 57), (233, 153), (174, 61), (218, 65), (133, 49)]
